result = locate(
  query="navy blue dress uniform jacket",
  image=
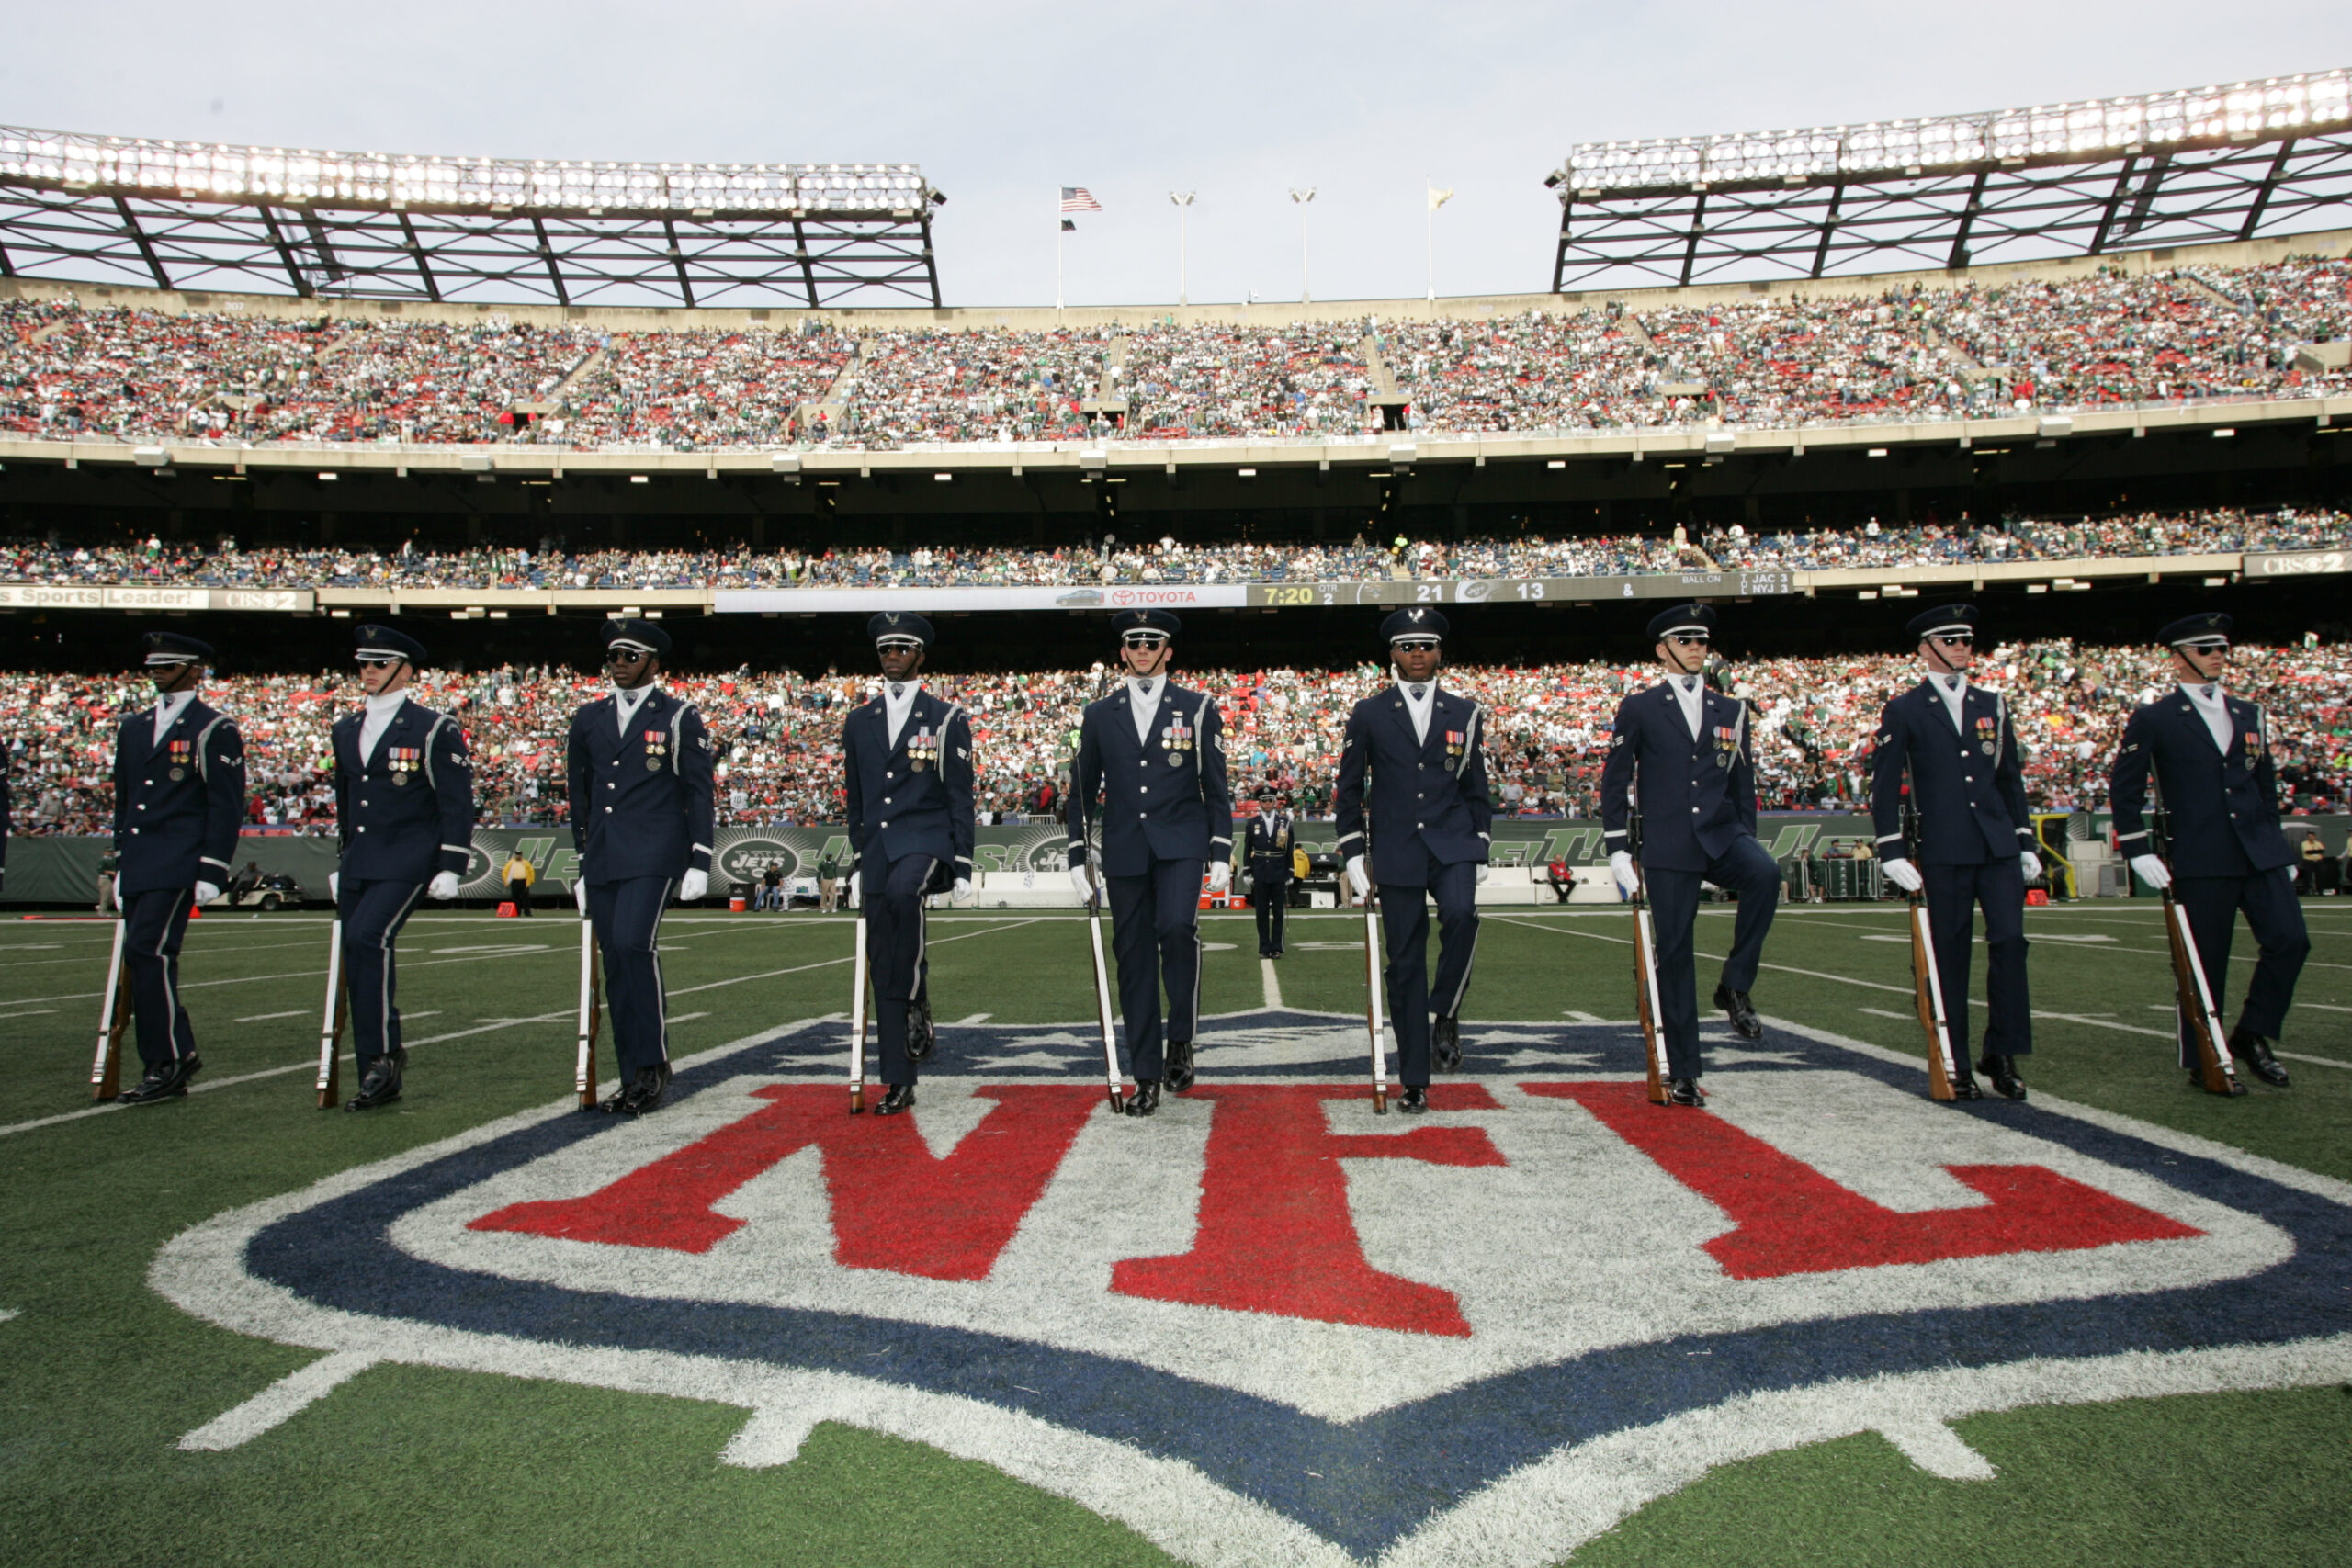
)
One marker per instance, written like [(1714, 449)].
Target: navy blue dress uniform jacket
[(913, 798), (1268, 845), (1967, 783), (177, 803), (1429, 794), (1698, 796), (408, 812), (1164, 798), (2224, 803), (641, 796)]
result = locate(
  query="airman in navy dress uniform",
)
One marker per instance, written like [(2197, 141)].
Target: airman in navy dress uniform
[(179, 797), (1685, 750), (907, 757), (405, 816), (1413, 778), (1954, 745), (1152, 751), (638, 769), (2211, 755), (1267, 845)]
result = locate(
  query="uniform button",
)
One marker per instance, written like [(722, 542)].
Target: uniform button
[(1694, 811), (1144, 763), (363, 827), (150, 783), (135, 832), (886, 824), (1416, 795), (1146, 789), (609, 811), (142, 806), (1419, 766), (1970, 779), (885, 800), (1420, 824), (1143, 814)]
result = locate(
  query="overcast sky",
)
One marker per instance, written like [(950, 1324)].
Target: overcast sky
[(1366, 102)]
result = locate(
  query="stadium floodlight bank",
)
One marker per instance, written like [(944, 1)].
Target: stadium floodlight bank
[(372, 225), (2191, 167)]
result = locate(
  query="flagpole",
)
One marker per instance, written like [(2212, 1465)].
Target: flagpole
[(1059, 232), (1429, 225)]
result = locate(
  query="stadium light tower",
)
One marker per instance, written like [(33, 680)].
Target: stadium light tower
[(1184, 200), (1305, 296)]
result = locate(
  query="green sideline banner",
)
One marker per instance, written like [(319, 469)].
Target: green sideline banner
[(65, 870)]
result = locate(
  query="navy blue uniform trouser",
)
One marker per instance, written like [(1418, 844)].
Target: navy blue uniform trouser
[(157, 922), (1267, 897), (627, 916), (1745, 870), (2275, 917), (895, 954), (1156, 937), (1953, 895), (372, 915), (1405, 923)]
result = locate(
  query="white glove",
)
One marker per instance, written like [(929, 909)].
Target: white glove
[(1621, 866), (963, 890), (442, 887), (205, 892), (1903, 873), (1078, 879), (692, 887), (2152, 870), (852, 888), (1485, 871), (1220, 877), (1359, 877), (580, 895), (2030, 862), (334, 885)]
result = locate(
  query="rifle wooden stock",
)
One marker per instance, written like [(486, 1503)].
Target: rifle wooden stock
[(1112, 1079), (2216, 1067), (330, 1020), (114, 1017), (1646, 1002), (1374, 989), (583, 1070), (1927, 996), (858, 1022)]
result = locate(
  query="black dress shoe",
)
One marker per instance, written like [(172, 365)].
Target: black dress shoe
[(922, 1036), (1445, 1041), (897, 1098), (1963, 1084), (165, 1081), (380, 1084), (1684, 1091), (644, 1091), (1178, 1066), (2003, 1071), (1416, 1101), (2255, 1052), (1742, 1012), (1146, 1098)]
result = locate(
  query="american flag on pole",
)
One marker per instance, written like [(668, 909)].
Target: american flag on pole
[(1078, 198)]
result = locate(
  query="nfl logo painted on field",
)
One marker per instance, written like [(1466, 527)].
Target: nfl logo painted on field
[(1266, 1325)]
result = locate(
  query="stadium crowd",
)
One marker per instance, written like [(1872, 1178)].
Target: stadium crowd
[(1912, 352), (55, 560), (778, 731)]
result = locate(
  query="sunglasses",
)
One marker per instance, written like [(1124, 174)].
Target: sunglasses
[(625, 654), (1415, 645), (1687, 640), (1144, 639), (1963, 640), (378, 663)]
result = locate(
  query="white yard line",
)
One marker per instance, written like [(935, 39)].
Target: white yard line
[(2315, 1061), (1273, 993)]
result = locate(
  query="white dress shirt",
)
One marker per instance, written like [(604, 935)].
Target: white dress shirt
[(379, 718), (1690, 691), (1419, 698), (2207, 700), (1143, 700), (168, 711), (1953, 690), (897, 702), (627, 700)]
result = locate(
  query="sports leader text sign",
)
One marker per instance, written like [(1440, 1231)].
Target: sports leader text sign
[(96, 596), (1267, 1325)]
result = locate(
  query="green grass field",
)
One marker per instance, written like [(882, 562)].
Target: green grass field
[(414, 1466)]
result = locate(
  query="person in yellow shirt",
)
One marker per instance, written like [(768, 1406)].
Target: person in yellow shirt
[(520, 874)]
